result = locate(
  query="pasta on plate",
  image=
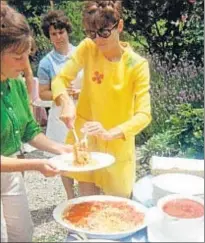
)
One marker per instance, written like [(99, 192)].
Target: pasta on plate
[(81, 154)]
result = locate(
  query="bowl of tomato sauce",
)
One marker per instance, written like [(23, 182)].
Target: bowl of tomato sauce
[(181, 216)]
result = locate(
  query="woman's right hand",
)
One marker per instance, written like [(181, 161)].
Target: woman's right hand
[(73, 92), (68, 115), (68, 110), (47, 168)]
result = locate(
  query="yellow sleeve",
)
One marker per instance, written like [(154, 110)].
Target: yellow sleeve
[(142, 106), (69, 72)]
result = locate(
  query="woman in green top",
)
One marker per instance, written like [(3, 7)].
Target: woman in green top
[(17, 126)]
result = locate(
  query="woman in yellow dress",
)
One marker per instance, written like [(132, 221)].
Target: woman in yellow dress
[(114, 104)]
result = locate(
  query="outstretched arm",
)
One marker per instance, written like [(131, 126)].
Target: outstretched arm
[(62, 82), (15, 165), (43, 143)]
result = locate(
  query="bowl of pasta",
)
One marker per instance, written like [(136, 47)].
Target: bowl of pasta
[(101, 217)]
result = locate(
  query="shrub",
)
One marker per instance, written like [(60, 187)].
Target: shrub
[(187, 127), (159, 145), (184, 136), (172, 29), (73, 9), (42, 43), (169, 88)]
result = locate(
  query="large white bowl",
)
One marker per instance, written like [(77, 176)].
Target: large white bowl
[(177, 183), (95, 240), (58, 211)]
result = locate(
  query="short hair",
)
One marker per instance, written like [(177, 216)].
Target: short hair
[(57, 19), (15, 32), (101, 14)]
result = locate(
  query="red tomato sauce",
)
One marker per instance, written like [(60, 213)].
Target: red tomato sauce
[(81, 211), (184, 208)]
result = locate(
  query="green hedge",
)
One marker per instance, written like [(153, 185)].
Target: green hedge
[(183, 137)]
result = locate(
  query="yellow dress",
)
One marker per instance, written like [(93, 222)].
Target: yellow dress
[(117, 95)]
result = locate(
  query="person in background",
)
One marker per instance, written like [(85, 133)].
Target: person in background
[(57, 28), (114, 104), (17, 126), (28, 76), (40, 113), (32, 85)]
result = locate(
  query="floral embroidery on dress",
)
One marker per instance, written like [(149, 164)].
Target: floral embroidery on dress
[(131, 62), (98, 77)]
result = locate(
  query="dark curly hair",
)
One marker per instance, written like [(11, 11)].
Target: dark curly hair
[(100, 14), (57, 19)]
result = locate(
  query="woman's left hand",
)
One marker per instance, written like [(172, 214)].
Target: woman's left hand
[(96, 129), (65, 148), (74, 93)]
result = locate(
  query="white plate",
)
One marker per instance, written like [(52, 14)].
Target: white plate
[(58, 211), (64, 162), (179, 183)]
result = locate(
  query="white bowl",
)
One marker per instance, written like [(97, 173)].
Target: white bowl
[(58, 211), (175, 228), (95, 240), (182, 228), (177, 183)]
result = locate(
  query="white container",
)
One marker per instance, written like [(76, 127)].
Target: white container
[(175, 228), (177, 183), (161, 165), (58, 212)]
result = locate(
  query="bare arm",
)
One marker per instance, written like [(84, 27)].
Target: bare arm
[(19, 165), (45, 92), (45, 144), (42, 165), (68, 111), (29, 79)]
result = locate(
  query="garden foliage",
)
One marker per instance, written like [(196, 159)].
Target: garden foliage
[(183, 137), (173, 29)]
